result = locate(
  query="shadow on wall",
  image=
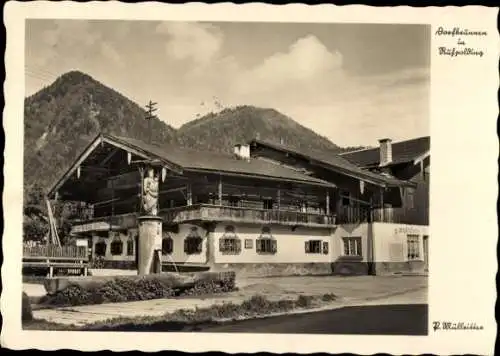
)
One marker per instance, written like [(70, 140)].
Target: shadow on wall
[(351, 266)]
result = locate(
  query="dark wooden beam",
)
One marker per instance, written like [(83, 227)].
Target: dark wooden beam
[(220, 190), (109, 156), (327, 202), (172, 190)]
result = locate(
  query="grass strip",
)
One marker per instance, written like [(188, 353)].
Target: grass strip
[(182, 319)]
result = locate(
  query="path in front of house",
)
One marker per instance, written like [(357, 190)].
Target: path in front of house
[(351, 290)]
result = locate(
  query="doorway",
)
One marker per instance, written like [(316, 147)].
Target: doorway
[(426, 253), (136, 240)]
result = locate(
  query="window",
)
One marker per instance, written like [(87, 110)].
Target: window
[(100, 248), (116, 247), (346, 199), (230, 246), (413, 247), (167, 244), (234, 201), (268, 204), (229, 243), (193, 242), (266, 243), (352, 246), (409, 199), (313, 246), (325, 247)]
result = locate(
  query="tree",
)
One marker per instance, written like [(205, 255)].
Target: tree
[(34, 229)]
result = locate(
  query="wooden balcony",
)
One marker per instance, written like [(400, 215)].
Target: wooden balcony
[(206, 212), (105, 223), (357, 215)]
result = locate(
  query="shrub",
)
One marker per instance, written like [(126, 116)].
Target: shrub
[(304, 301), (133, 288), (328, 297), (256, 304), (26, 312)]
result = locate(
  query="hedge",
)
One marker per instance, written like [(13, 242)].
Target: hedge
[(93, 290)]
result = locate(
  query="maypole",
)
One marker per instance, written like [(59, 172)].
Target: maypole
[(53, 236)]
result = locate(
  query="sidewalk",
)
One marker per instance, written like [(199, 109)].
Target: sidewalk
[(350, 290)]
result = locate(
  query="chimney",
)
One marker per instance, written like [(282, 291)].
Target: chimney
[(385, 151), (245, 152), (237, 149), (242, 151)]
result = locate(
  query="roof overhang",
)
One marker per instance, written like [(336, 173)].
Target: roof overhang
[(367, 178), (116, 142), (422, 157), (279, 179)]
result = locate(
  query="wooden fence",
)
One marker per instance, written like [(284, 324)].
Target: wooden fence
[(56, 252)]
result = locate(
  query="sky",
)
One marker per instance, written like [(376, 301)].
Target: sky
[(353, 83)]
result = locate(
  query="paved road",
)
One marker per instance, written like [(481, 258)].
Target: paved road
[(388, 319), (395, 319)]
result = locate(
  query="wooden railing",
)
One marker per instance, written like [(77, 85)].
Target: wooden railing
[(124, 221), (401, 216), (55, 252), (353, 215), (357, 215), (237, 214)]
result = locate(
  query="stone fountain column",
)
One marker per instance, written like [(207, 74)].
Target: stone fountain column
[(150, 238), (150, 225)]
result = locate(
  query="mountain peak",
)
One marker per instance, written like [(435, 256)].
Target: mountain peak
[(74, 109), (75, 77), (221, 131)]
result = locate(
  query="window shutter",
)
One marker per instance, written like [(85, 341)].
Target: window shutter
[(307, 246), (325, 248), (186, 245), (221, 245), (258, 245), (238, 245), (274, 246), (199, 246)]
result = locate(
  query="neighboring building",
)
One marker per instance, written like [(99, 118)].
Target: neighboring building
[(397, 224), (263, 210), (406, 160)]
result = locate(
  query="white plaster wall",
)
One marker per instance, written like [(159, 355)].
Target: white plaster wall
[(178, 255), (391, 241), (123, 257), (290, 245), (390, 244), (350, 230)]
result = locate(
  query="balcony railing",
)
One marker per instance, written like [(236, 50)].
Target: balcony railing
[(206, 212), (357, 215), (105, 223)]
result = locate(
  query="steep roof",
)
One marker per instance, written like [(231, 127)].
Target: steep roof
[(190, 159), (402, 152), (182, 159), (336, 163)]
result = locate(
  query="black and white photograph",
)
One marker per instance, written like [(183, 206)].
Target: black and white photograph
[(238, 177)]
